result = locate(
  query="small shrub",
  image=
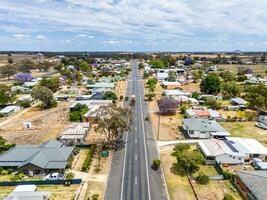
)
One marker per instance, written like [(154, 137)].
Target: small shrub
[(95, 197), (156, 164), (69, 175), (4, 172), (88, 160), (9, 170), (126, 98), (121, 98), (202, 179), (25, 104)]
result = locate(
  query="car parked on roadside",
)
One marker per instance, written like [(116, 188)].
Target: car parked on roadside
[(261, 125)]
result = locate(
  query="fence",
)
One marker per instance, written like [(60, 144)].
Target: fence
[(41, 182)]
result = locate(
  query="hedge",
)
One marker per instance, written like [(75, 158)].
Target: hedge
[(88, 161)]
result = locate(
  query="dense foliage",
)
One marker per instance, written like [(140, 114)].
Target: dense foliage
[(76, 114), (44, 95), (211, 84)]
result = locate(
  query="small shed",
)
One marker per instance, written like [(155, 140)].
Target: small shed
[(9, 110)]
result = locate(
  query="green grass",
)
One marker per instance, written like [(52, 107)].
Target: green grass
[(209, 170)]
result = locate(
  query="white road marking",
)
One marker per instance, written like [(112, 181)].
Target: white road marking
[(135, 157), (135, 180), (135, 141), (124, 157), (144, 138)]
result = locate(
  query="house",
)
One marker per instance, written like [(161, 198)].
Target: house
[(19, 88), (39, 56), (252, 184), (170, 85), (263, 119), (72, 91), (251, 147), (28, 192), (162, 76), (259, 164), (203, 128), (47, 157), (173, 93), (220, 151), (182, 99), (203, 113), (30, 84), (9, 110), (75, 134), (104, 85), (24, 98), (89, 103), (238, 101)]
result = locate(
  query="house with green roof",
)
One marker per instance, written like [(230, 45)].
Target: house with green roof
[(50, 156)]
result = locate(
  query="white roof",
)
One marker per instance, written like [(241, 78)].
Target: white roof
[(176, 93), (248, 145), (214, 147), (9, 109), (166, 83), (162, 75), (25, 188), (91, 102)]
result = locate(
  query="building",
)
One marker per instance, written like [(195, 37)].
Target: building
[(28, 192), (47, 157), (182, 99), (238, 101), (174, 93), (104, 85), (9, 110), (162, 76), (252, 184), (220, 151), (203, 113), (90, 103), (170, 85), (75, 134), (263, 119), (203, 128)]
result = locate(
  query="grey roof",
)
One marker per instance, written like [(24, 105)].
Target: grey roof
[(203, 125), (49, 155), (28, 195), (256, 181), (239, 101)]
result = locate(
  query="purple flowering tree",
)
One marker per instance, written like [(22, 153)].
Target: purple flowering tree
[(167, 106), (23, 77)]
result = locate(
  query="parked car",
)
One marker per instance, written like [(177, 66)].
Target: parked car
[(54, 176), (261, 125)]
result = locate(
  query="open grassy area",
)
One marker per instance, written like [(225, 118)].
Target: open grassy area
[(59, 192), (209, 170), (95, 187), (246, 129), (257, 69)]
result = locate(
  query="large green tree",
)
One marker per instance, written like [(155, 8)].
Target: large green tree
[(231, 89), (51, 83), (256, 95), (8, 71), (211, 84), (44, 95)]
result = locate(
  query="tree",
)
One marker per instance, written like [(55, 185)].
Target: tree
[(44, 95), (7, 71), (5, 95), (156, 164), (167, 106), (51, 83), (231, 89), (197, 74), (150, 96), (69, 175), (213, 103), (77, 112), (109, 95), (151, 84), (202, 179), (10, 61), (187, 162), (112, 121), (181, 147), (227, 76), (158, 64), (256, 95), (241, 78), (84, 66), (172, 76), (23, 77), (26, 65), (211, 84), (141, 66)]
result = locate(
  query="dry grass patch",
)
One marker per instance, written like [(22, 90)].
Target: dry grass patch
[(191, 87), (95, 187)]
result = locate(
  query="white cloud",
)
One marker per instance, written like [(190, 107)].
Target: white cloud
[(21, 36), (91, 36), (40, 37), (81, 35)]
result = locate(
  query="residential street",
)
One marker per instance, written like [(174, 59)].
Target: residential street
[(131, 176)]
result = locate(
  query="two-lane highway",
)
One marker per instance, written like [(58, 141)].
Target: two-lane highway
[(131, 176)]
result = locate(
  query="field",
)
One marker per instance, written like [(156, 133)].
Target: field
[(257, 68), (246, 129), (180, 189), (59, 192), (46, 124), (16, 58)]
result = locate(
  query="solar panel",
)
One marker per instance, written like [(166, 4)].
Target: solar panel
[(230, 145)]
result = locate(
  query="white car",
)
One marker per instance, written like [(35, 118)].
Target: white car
[(261, 125), (54, 176)]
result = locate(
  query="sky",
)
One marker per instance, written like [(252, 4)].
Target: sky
[(133, 25)]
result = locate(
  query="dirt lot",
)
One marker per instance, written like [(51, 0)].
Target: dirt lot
[(46, 124), (180, 189), (191, 87), (16, 58), (246, 129), (121, 90), (168, 124), (59, 192)]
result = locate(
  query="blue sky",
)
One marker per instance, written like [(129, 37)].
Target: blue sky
[(133, 25)]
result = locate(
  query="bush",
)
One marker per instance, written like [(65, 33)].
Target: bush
[(70, 161), (126, 98), (156, 164), (228, 197), (4, 172), (25, 104), (9, 170), (69, 175), (202, 179), (95, 197), (88, 160), (121, 98), (109, 95)]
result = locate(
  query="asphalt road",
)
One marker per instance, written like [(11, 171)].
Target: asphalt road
[(131, 176)]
